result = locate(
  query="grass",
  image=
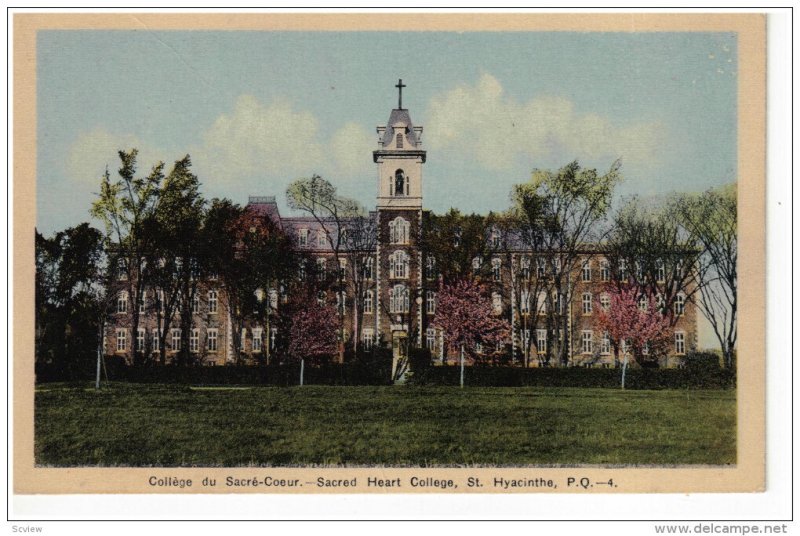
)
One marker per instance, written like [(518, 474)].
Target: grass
[(152, 425)]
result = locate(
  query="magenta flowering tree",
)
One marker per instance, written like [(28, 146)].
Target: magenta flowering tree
[(467, 317), (313, 331), (633, 316)]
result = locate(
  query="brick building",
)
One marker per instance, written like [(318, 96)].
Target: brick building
[(396, 303)]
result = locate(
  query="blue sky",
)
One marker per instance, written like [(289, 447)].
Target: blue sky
[(256, 110)]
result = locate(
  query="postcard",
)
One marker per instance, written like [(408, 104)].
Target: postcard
[(389, 253)]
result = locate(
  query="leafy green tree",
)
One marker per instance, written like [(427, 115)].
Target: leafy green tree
[(126, 206), (69, 297)]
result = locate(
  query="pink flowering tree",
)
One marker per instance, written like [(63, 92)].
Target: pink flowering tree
[(312, 334), (466, 316), (633, 316)]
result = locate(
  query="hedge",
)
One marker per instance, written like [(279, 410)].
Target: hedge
[(635, 378)]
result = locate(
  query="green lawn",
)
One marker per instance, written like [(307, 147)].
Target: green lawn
[(144, 425)]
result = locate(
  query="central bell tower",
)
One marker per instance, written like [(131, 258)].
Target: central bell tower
[(399, 220), (400, 157)]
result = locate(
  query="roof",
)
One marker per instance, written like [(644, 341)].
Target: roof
[(400, 115)]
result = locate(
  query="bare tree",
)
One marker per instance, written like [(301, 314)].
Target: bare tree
[(712, 219)]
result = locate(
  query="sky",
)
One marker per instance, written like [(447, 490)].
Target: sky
[(257, 110)]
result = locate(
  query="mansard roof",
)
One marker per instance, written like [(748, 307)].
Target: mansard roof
[(399, 115)]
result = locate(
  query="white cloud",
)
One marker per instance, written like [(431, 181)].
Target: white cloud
[(351, 147), (482, 123), (93, 151), (258, 140)]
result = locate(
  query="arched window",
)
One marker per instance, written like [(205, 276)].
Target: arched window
[(399, 299), (398, 265), (398, 231), (399, 182)]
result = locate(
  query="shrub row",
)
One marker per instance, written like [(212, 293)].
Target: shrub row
[(635, 378)]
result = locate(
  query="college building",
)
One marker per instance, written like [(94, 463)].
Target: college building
[(398, 299)]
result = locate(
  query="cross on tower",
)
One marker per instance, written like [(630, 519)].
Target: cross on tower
[(400, 85)]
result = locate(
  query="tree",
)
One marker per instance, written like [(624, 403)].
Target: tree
[(345, 225), (312, 332), (635, 322), (177, 257), (648, 248), (712, 219), (466, 316), (125, 206), (70, 295), (561, 214)]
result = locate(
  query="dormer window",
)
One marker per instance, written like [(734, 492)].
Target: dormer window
[(399, 182), (399, 141)]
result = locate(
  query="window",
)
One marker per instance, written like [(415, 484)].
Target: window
[(430, 267), (430, 302), (398, 231), (496, 264), (302, 237), (478, 348), (322, 239), (213, 276), (639, 271), (476, 264), (526, 339), (605, 344), (660, 272), (623, 270), (541, 341), (142, 302), (586, 272), (176, 339), (273, 298), (430, 339), (556, 265), (367, 337), (541, 302), (587, 341), (273, 337), (558, 302), (122, 302), (368, 301), (159, 296), (243, 340), (525, 302), (301, 270), (680, 304), (369, 266), (660, 303), (643, 303), (497, 302), (457, 237), (194, 340), (258, 333), (156, 340), (399, 141), (122, 270), (341, 301), (587, 303), (604, 272), (399, 181), (195, 303), (212, 301), (525, 267), (495, 238), (541, 267), (398, 265), (321, 268), (122, 340), (399, 299), (211, 340), (646, 348), (680, 343), (605, 302), (140, 335)]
